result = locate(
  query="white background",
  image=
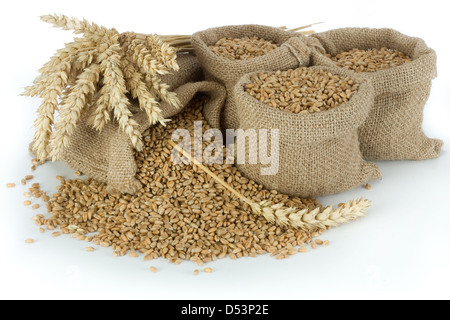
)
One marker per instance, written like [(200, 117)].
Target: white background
[(400, 250)]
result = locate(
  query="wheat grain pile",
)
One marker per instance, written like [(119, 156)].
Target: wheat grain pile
[(303, 90), (243, 48), (181, 213), (370, 60)]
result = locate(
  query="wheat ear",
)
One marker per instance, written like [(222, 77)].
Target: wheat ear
[(161, 90), (71, 110), (78, 26), (140, 55), (165, 53), (114, 83), (292, 217), (139, 90)]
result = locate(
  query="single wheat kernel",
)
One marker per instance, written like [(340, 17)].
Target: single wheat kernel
[(36, 185), (36, 206), (368, 186), (326, 243), (89, 249), (153, 269), (319, 242), (29, 177), (196, 272), (303, 250), (27, 194), (27, 203), (134, 254), (10, 185), (78, 173), (313, 245), (60, 178), (208, 270), (56, 234), (33, 168), (23, 182), (29, 241)]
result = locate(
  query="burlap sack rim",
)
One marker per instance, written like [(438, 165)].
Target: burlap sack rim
[(202, 41), (379, 77), (321, 125)]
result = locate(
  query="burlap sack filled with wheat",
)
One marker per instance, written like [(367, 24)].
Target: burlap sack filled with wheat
[(293, 52), (108, 156), (319, 152), (393, 130)]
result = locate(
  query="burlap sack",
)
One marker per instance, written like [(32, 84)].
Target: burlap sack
[(393, 129), (293, 52), (318, 153), (108, 156)]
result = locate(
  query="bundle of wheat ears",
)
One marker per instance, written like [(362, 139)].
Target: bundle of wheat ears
[(94, 73)]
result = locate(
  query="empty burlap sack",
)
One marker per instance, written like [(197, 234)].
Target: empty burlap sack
[(293, 52), (393, 129), (108, 156), (319, 152)]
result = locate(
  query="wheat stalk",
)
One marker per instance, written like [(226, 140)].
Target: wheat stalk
[(288, 216)]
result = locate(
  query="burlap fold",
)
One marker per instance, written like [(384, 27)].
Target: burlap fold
[(108, 156), (393, 129), (318, 153), (294, 52)]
